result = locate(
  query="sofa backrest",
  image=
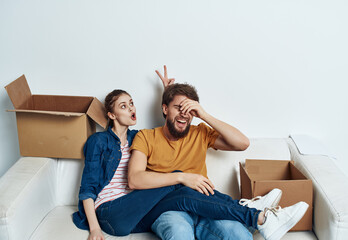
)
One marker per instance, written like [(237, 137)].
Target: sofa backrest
[(223, 168), (69, 172)]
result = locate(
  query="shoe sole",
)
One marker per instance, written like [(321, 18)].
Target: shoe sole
[(288, 225)]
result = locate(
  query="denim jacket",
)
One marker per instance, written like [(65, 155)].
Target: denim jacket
[(102, 155)]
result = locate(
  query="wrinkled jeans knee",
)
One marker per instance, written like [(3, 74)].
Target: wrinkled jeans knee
[(175, 225)]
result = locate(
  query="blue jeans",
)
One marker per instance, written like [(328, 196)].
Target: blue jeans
[(176, 225), (136, 211), (121, 216)]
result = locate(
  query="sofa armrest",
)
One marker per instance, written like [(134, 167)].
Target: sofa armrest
[(27, 194), (330, 195)]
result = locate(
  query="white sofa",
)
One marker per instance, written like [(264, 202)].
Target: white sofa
[(38, 195)]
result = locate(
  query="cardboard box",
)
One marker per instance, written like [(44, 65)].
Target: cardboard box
[(258, 177), (51, 125)]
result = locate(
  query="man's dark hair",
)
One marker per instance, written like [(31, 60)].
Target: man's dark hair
[(176, 89)]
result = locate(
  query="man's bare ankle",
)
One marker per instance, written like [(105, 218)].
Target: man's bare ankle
[(261, 218)]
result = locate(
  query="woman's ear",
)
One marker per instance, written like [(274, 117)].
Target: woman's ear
[(111, 116)]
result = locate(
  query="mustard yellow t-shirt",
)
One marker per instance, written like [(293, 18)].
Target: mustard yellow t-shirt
[(186, 154)]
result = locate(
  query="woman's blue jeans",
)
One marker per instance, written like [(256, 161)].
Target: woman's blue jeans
[(136, 211)]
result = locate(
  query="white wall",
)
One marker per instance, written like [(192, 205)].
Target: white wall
[(271, 68)]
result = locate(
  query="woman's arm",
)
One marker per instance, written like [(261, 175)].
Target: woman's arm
[(89, 181), (95, 232), (93, 167)]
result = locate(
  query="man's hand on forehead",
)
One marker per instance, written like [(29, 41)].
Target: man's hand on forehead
[(192, 107)]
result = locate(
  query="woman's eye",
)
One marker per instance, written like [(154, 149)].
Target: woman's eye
[(123, 106), (131, 104)]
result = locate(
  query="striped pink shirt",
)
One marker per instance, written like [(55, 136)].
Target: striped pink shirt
[(118, 185)]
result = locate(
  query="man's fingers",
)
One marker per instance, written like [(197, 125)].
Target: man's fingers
[(208, 188), (199, 190), (210, 184), (186, 101), (189, 109), (203, 190), (185, 106)]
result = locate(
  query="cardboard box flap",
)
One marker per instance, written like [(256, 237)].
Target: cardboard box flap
[(97, 112), (270, 169), (295, 173), (19, 93), (61, 103), (246, 186), (67, 114)]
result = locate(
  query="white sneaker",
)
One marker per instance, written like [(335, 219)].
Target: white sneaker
[(270, 200), (279, 221)]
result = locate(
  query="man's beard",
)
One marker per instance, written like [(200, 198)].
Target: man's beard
[(175, 133)]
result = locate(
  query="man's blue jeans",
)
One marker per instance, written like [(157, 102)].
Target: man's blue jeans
[(136, 211), (176, 225)]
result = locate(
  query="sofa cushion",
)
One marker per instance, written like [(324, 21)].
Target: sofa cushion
[(58, 225)]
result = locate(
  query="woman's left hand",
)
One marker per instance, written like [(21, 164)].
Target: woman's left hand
[(96, 235), (165, 80)]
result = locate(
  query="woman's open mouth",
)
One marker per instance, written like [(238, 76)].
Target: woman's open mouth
[(133, 117)]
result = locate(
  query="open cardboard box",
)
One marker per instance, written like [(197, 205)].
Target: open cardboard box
[(51, 125), (258, 177)]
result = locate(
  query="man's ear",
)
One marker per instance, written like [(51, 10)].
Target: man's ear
[(165, 109), (111, 116)]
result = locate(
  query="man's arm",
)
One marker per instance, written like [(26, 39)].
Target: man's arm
[(139, 178), (230, 138)]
